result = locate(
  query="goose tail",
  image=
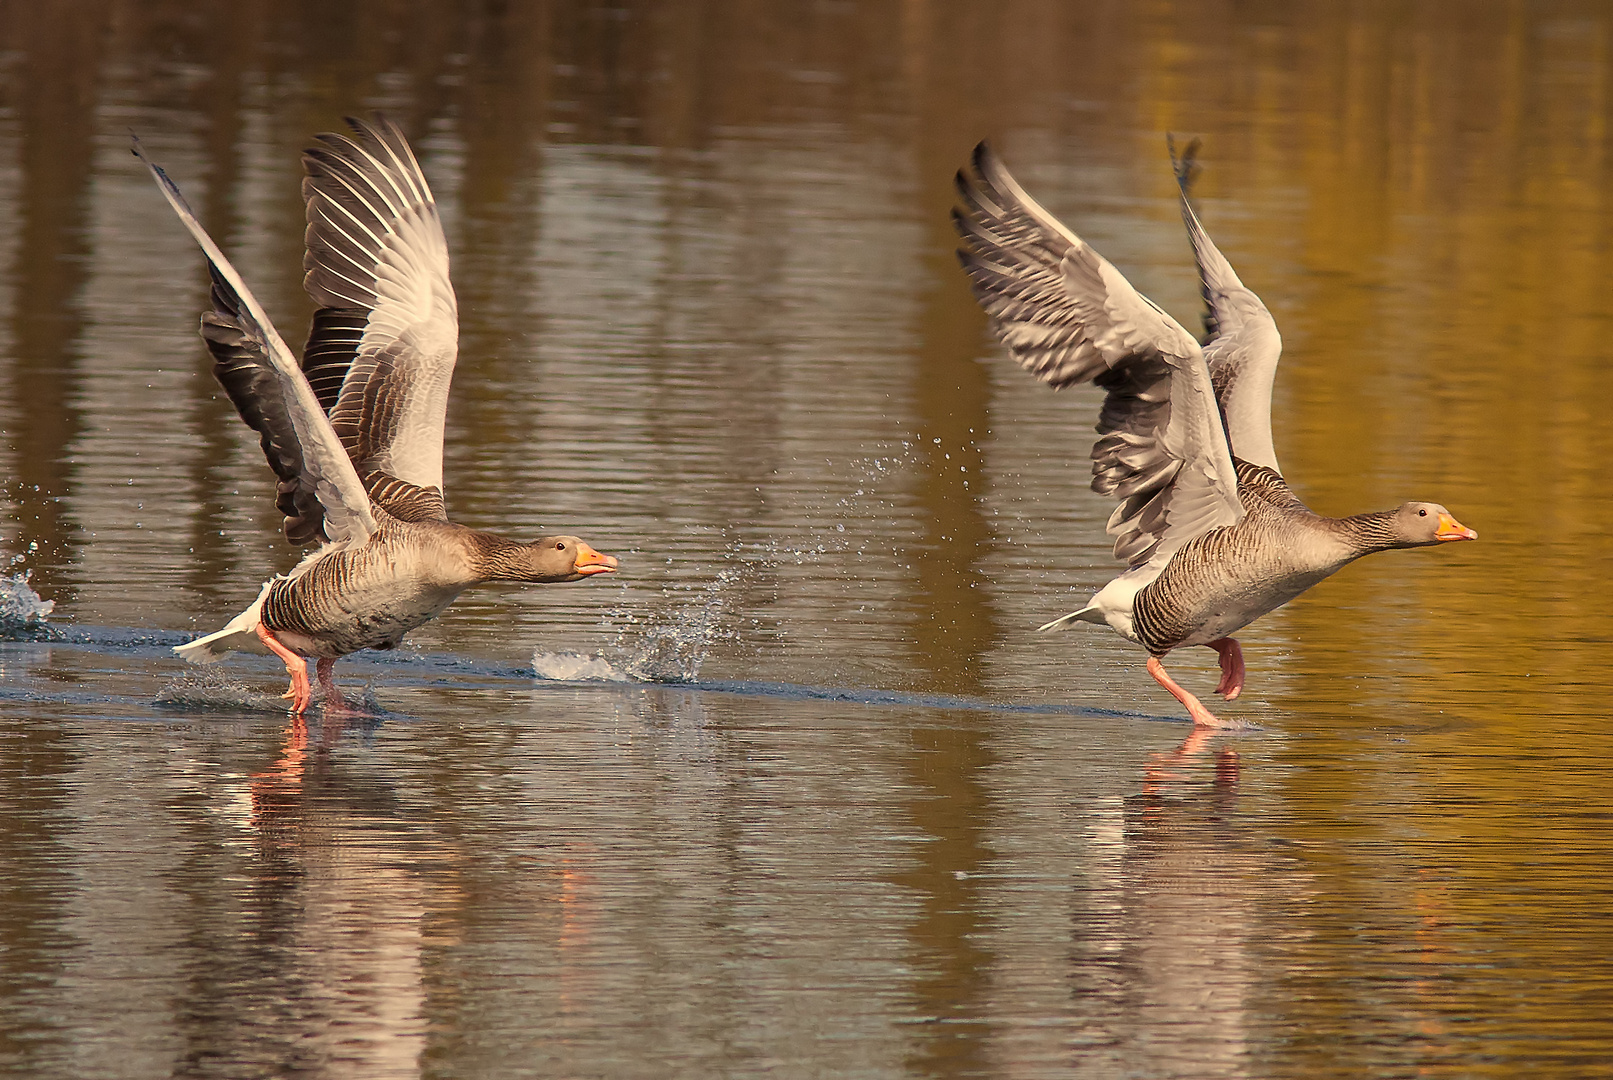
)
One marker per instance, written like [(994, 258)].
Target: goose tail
[(240, 633), (211, 649), (1090, 614)]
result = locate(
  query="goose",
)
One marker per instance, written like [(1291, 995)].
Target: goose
[(1210, 533), (354, 434)]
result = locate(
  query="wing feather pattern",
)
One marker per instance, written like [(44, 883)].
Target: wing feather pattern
[(1068, 316), (1242, 346), (386, 334), (243, 369), (266, 384)]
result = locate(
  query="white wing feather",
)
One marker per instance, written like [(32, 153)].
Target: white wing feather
[(375, 243)]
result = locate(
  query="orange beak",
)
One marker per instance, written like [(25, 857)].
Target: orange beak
[(1451, 529), (590, 562)]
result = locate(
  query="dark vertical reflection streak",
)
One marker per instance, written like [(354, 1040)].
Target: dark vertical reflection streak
[(56, 93), (953, 626), (37, 888), (502, 106), (213, 419)]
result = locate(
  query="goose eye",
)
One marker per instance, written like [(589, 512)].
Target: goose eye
[(1422, 513), (562, 547)]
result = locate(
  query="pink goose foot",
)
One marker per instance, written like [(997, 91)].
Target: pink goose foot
[(334, 701), (1231, 684), (1201, 716), (300, 693)]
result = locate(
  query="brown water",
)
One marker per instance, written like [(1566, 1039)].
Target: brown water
[(862, 821)]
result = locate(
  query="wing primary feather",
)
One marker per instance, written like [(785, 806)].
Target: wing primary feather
[(1068, 316), (340, 492), (375, 248), (253, 386), (1187, 170), (1241, 345)]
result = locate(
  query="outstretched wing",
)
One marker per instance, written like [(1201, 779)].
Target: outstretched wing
[(1243, 344), (1068, 316), (268, 388), (382, 350), (242, 367)]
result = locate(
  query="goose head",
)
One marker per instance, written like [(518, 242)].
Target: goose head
[(1419, 524), (561, 558)]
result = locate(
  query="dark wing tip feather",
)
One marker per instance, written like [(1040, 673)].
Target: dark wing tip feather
[(371, 127), (168, 186), (254, 388), (1186, 164), (1187, 169), (982, 157)]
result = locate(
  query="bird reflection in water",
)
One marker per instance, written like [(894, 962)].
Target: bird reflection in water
[(339, 882), (1165, 766), (277, 791), (1165, 990)]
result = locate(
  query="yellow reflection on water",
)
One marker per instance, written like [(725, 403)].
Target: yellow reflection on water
[(711, 320)]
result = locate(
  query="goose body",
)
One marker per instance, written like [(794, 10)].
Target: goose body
[(354, 431), (1211, 534)]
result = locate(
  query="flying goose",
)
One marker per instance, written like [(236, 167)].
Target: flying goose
[(354, 434), (1210, 533)]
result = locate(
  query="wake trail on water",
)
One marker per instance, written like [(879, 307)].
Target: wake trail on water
[(209, 689), (665, 647)]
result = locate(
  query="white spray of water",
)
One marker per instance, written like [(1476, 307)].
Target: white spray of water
[(574, 667), (666, 644), (671, 643), (20, 607)]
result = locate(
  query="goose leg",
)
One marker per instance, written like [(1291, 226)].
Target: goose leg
[(1200, 714), (1231, 684), (334, 702), (300, 692)]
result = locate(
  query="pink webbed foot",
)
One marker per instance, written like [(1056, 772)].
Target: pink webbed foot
[(1201, 716), (1231, 684), (299, 693), (334, 701)]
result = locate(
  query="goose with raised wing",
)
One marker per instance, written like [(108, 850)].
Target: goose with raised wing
[(354, 432), (1211, 536)]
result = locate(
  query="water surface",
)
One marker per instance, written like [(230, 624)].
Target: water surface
[(800, 792)]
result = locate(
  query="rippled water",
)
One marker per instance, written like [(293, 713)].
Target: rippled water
[(800, 792)]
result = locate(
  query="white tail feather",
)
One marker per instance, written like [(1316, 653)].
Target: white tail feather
[(240, 633), (1090, 614), (211, 649)]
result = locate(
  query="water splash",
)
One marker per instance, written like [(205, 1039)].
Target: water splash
[(669, 645), (211, 688), (574, 667), (22, 612)]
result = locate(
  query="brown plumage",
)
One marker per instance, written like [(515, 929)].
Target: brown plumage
[(1211, 535), (354, 433)]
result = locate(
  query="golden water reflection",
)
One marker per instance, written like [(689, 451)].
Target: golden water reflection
[(712, 322)]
